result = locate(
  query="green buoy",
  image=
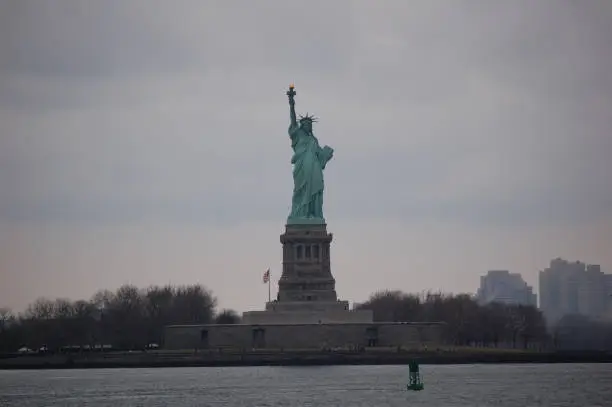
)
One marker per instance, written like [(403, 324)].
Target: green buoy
[(414, 377)]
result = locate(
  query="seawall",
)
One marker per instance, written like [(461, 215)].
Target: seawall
[(291, 358)]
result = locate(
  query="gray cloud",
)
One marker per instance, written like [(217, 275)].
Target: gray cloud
[(477, 113), (114, 39), (414, 104)]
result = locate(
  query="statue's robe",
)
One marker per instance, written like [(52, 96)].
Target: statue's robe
[(309, 161)]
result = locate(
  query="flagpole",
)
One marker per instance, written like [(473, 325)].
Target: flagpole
[(269, 279)]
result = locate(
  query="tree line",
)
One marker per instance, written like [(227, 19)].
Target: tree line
[(129, 318), (467, 322), (132, 318)]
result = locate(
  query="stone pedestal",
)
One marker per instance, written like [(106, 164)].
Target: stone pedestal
[(307, 288), (306, 265)]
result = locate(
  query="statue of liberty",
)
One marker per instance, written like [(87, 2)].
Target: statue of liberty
[(309, 161)]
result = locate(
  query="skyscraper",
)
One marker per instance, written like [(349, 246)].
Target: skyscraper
[(573, 288), (505, 287)]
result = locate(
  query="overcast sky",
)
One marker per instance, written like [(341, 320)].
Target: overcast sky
[(145, 142)]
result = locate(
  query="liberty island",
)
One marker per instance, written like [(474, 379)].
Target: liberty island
[(306, 313)]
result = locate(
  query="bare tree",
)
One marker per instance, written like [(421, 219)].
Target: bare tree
[(6, 316), (467, 322), (227, 316), (42, 308)]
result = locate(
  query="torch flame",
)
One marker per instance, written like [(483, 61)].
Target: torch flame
[(291, 86)]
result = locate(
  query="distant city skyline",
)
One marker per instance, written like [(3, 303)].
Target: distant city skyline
[(566, 287), (496, 285), (467, 137)]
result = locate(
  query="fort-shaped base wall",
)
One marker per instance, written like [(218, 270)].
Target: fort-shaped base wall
[(303, 336)]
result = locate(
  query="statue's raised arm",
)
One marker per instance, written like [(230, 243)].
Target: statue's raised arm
[(291, 93)]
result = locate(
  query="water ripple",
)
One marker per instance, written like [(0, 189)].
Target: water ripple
[(351, 386)]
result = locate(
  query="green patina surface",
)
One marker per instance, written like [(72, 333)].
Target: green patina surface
[(309, 160)]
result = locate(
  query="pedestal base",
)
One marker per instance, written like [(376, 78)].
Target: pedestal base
[(307, 306), (305, 316), (307, 288), (306, 265)]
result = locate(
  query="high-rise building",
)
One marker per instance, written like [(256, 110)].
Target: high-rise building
[(568, 288), (505, 287), (558, 296), (592, 292), (608, 280)]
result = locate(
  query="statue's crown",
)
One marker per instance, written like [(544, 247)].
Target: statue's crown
[(308, 118)]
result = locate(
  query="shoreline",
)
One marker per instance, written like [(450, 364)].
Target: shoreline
[(291, 358)]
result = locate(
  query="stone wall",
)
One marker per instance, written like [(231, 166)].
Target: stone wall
[(302, 336), (307, 317), (285, 306)]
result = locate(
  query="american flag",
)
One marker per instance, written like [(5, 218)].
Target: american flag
[(266, 276)]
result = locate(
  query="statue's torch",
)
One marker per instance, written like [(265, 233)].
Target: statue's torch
[(291, 92)]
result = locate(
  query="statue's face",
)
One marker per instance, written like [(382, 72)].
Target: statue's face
[(307, 125)]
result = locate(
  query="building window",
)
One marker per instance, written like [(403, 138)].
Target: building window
[(299, 251), (307, 253), (259, 338), (315, 251)]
